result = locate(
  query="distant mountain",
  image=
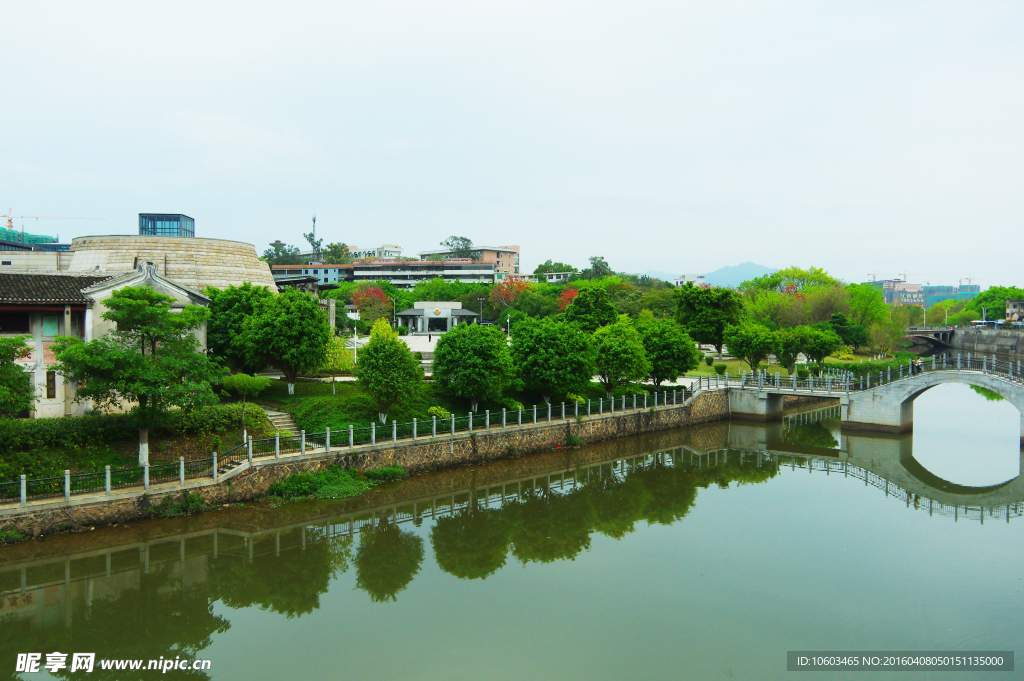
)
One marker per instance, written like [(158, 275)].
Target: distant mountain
[(737, 274), (664, 276)]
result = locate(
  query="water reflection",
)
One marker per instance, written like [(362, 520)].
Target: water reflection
[(143, 594)]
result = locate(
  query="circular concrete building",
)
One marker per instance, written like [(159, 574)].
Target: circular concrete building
[(190, 261)]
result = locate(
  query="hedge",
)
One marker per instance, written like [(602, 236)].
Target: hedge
[(26, 434)]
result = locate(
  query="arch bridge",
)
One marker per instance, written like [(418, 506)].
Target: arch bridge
[(881, 401)]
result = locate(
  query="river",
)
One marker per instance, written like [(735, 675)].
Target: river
[(702, 553)]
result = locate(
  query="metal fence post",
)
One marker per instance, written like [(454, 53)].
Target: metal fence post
[(611, 403), (433, 426), (302, 442), (67, 483), (519, 418), (634, 401), (453, 424), (351, 436), (24, 487), (248, 451), (277, 445), (373, 433), (575, 409), (487, 419), (214, 469), (549, 412), (655, 399), (503, 417), (394, 430), (470, 422), (645, 400), (181, 470), (588, 406), (414, 429), (600, 407), (327, 440), (108, 480), (535, 414)]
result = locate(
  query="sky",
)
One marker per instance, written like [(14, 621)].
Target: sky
[(862, 137)]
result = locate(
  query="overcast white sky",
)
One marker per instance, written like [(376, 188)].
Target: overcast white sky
[(678, 136)]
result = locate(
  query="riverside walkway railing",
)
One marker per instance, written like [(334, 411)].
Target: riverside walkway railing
[(838, 380), (110, 480)]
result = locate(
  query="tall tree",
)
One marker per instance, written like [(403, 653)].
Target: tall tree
[(229, 308), (387, 560), (867, 304), (591, 309), (752, 343), (552, 357), (288, 332), (247, 386), (473, 362), (459, 247), (621, 357), (16, 392), (150, 358), (792, 341), (507, 292), (599, 269), (820, 343), (282, 254), (387, 369), (566, 297), (706, 312), (336, 254), (669, 350), (373, 304), (549, 266)]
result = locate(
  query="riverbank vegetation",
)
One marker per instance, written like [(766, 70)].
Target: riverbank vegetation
[(334, 482)]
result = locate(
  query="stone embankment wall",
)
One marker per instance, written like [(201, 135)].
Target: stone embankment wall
[(989, 341), (422, 455)]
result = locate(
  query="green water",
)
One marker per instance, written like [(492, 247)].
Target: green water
[(702, 553)]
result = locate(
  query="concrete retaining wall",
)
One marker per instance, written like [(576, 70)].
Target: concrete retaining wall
[(989, 341), (422, 455)]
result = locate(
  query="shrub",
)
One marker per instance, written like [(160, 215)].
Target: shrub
[(384, 474), (187, 504), (709, 360), (803, 373), (333, 483), (573, 441), (440, 412), (720, 369), (418, 355), (403, 330), (843, 352), (572, 397), (512, 405), (215, 444), (11, 537)]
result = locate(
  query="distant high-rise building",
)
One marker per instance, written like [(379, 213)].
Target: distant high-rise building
[(163, 224)]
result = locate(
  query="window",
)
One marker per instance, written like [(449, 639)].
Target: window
[(51, 385), (14, 322), (51, 324), (5, 262)]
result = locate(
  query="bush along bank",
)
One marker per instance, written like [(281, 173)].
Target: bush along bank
[(333, 483)]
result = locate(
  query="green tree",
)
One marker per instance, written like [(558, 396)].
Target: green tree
[(820, 343), (591, 309), (669, 350), (792, 342), (473, 362), (387, 560), (282, 254), (620, 355), (387, 370), (473, 543), (247, 386), (993, 300), (288, 332), (337, 254), (535, 305), (752, 343), (705, 312), (459, 247), (552, 357), (16, 393), (851, 333), (599, 269), (229, 308), (867, 304), (791, 279), (151, 359), (550, 266)]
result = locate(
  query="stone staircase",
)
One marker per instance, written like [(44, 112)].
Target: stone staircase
[(283, 422)]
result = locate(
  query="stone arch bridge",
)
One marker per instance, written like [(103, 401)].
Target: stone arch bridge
[(886, 402)]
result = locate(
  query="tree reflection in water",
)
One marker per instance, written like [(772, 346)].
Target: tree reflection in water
[(387, 560)]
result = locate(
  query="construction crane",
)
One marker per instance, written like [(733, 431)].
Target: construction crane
[(970, 280), (11, 218)]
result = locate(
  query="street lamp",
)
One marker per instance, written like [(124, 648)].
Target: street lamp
[(984, 313), (481, 299)]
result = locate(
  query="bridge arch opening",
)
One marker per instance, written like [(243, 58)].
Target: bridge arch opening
[(966, 437)]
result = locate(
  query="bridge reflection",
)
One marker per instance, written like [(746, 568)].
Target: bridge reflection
[(71, 590)]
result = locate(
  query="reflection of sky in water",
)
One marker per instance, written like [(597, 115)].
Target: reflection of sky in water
[(966, 439)]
